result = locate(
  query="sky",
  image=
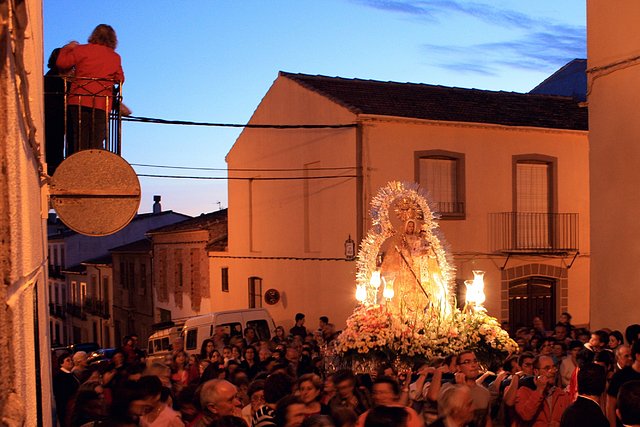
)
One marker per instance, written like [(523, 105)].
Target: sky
[(213, 61)]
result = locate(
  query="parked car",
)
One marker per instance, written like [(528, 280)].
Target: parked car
[(87, 347), (100, 357)]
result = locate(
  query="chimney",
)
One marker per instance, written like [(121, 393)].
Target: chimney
[(157, 208)]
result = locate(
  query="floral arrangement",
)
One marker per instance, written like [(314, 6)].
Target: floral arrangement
[(374, 332)]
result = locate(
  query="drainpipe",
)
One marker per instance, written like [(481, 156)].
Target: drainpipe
[(360, 202)]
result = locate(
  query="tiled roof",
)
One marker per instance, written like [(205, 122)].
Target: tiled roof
[(202, 222), (142, 245), (423, 101), (101, 260), (570, 80)]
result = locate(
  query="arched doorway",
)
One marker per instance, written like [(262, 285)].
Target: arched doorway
[(529, 297)]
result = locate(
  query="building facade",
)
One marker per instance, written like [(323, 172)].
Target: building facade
[(181, 272), (613, 42), (507, 173)]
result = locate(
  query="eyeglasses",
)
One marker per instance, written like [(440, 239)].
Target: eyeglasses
[(467, 362)]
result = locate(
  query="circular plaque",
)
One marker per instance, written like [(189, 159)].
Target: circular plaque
[(95, 192), (271, 296)]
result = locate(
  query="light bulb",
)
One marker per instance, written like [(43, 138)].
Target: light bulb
[(375, 279), (361, 293)]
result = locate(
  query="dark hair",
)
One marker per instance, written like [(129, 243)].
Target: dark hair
[(62, 357), (635, 349), (282, 408), (395, 387), (277, 386), (631, 333), (384, 416), (575, 344), (566, 313), (607, 357), (299, 316), (592, 380), (584, 357), (255, 386), (603, 336), (508, 363), (324, 319), (618, 336), (343, 375), (629, 403), (525, 355)]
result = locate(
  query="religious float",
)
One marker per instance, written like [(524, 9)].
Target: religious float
[(405, 280)]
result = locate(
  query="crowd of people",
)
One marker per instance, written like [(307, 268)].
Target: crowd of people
[(564, 377)]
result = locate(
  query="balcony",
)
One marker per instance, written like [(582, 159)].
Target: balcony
[(533, 233), (76, 311), (96, 307)]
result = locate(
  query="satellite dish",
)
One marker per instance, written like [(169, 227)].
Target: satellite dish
[(95, 192)]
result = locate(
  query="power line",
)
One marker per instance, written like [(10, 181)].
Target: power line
[(233, 125), (242, 169), (273, 178)]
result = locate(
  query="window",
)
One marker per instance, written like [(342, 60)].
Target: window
[(105, 294), (255, 292), (83, 293), (224, 271), (142, 290), (74, 292), (191, 342), (534, 198), (231, 329), (441, 174), (123, 276)]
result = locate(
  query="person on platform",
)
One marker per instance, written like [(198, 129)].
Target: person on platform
[(97, 68)]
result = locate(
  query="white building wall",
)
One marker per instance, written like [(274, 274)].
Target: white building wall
[(25, 381)]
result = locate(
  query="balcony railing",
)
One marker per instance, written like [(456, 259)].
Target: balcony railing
[(57, 310), (96, 307), (532, 232), (81, 113)]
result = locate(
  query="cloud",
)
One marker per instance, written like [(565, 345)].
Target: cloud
[(541, 44)]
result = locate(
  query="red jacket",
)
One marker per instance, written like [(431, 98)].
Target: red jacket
[(97, 68), (534, 410)]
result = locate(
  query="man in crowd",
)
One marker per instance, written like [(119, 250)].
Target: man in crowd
[(541, 403), (626, 374), (218, 398), (65, 385), (299, 328), (623, 357), (468, 371), (347, 395), (386, 392), (586, 410)]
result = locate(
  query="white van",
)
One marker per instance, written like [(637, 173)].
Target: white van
[(161, 341), (197, 329)]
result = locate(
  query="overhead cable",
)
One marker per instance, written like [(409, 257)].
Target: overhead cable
[(261, 178), (235, 125), (242, 169)]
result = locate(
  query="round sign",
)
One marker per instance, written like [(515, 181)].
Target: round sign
[(271, 296), (95, 192)]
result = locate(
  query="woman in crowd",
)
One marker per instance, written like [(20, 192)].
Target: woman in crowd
[(207, 349), (249, 363), (310, 392), (179, 372)]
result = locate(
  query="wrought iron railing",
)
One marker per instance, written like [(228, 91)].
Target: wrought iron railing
[(96, 307), (532, 232), (449, 209), (91, 114)]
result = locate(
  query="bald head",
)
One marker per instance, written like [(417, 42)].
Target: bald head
[(219, 397)]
